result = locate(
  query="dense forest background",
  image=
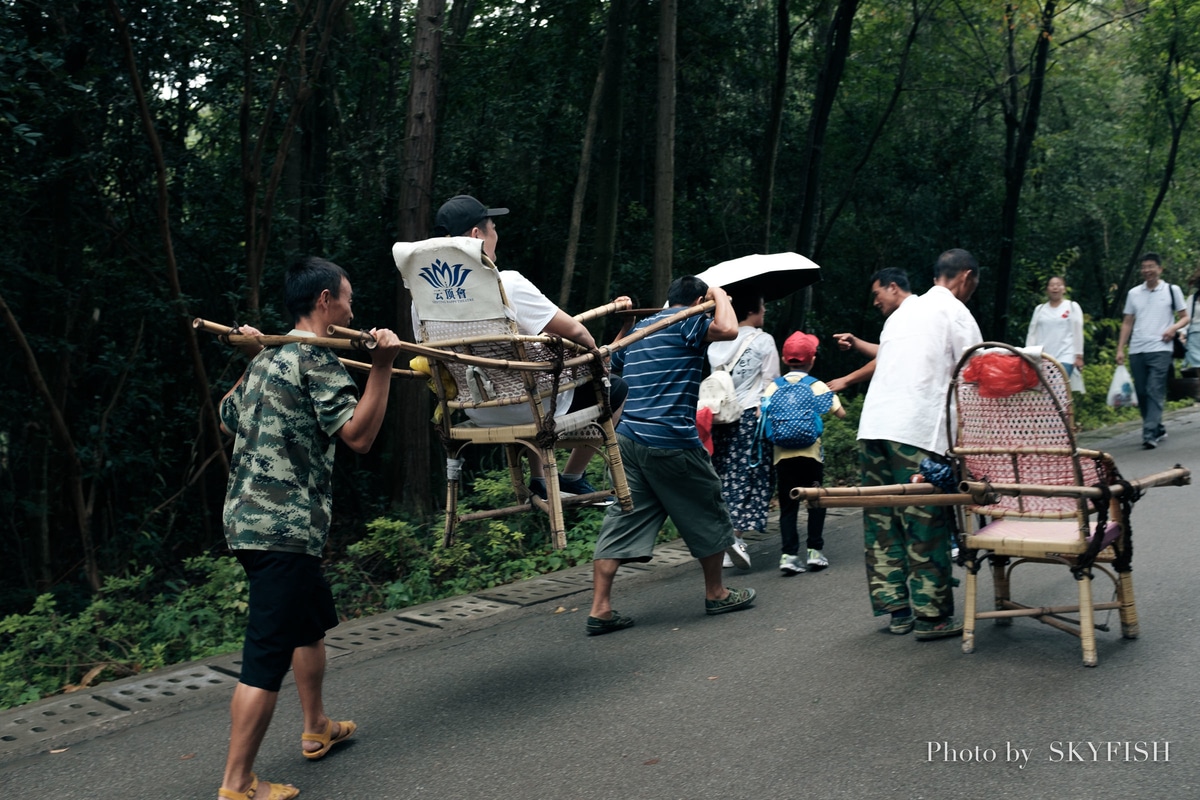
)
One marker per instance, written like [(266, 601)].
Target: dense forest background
[(164, 160)]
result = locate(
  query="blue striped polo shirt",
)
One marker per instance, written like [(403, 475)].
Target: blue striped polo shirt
[(663, 372)]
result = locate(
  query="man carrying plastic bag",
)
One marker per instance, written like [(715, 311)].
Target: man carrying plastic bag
[(1120, 391)]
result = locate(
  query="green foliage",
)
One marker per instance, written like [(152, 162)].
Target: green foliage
[(840, 444), (399, 563), (126, 629)]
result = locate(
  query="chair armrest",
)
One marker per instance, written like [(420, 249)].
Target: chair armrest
[(604, 310), (1177, 476)]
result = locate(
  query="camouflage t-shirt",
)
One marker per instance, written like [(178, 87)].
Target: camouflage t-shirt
[(284, 415)]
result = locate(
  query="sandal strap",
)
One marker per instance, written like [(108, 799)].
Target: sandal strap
[(230, 794), (323, 738)]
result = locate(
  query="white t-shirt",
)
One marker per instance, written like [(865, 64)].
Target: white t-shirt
[(1058, 329), (754, 371), (919, 347), (1153, 312), (1193, 327)]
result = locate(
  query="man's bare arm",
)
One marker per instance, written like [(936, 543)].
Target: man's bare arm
[(859, 375)]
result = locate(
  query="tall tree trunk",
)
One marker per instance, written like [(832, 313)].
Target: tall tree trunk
[(770, 150), (62, 433), (829, 78), (609, 155), (208, 411), (581, 183), (412, 488), (847, 186), (260, 193), (1021, 126), (664, 159)]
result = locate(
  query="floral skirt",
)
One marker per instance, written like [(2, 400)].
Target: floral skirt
[(747, 489)]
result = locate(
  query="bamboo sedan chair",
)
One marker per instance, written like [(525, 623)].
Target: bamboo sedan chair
[(1026, 494), (471, 341), (1037, 497)]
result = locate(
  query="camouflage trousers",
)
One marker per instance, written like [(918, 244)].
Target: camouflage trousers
[(907, 547)]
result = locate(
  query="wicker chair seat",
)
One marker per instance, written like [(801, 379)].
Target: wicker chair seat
[(1035, 538)]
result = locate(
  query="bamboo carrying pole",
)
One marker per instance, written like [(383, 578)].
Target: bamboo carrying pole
[(894, 494), (812, 493), (362, 337), (229, 335), (609, 308), (978, 493), (274, 340), (433, 349)]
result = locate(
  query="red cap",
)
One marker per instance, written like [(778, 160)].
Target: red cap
[(800, 348)]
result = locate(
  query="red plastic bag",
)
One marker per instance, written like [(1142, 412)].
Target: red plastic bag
[(704, 422), (1000, 374)]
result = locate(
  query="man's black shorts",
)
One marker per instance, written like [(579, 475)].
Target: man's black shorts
[(290, 606)]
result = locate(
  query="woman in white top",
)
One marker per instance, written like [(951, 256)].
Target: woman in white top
[(1057, 325), (1192, 357), (753, 363)]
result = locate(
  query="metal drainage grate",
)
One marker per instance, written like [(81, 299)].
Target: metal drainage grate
[(376, 632), (164, 686), (24, 728), (585, 578), (452, 612), (531, 592), (666, 557)]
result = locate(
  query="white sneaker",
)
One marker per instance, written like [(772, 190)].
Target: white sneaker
[(817, 559), (738, 554), (790, 565)]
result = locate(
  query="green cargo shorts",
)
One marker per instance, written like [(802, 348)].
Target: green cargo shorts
[(680, 484)]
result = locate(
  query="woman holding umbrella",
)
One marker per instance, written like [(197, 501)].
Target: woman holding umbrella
[(753, 363), (750, 280)]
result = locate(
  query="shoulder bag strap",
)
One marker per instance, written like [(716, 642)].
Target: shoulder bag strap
[(726, 367)]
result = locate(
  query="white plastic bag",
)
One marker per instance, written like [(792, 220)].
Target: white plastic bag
[(1120, 391), (1077, 382)]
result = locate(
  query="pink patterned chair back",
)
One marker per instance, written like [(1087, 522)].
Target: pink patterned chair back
[(1026, 437)]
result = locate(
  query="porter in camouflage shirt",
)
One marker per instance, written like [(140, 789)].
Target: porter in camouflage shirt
[(284, 415)]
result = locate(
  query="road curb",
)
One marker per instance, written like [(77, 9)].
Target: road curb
[(63, 720)]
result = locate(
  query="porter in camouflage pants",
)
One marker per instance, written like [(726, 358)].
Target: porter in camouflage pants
[(907, 548)]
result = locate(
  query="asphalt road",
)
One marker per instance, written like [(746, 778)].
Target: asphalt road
[(803, 696)]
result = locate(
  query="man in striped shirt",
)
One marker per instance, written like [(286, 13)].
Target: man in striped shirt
[(668, 469)]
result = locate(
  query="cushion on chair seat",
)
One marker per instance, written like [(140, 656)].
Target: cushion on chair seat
[(1031, 538), (579, 424)]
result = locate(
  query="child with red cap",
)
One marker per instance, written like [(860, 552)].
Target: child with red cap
[(801, 467)]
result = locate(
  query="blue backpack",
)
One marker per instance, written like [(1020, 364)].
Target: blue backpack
[(791, 417)]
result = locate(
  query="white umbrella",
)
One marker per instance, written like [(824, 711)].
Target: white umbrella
[(773, 276)]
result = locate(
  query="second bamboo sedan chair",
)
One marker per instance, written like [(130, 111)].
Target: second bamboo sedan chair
[(1028, 494)]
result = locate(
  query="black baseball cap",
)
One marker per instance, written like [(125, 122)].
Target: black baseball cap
[(459, 214)]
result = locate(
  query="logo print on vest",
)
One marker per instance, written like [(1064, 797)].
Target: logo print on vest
[(446, 279)]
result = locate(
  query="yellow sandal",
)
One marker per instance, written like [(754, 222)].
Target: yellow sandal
[(346, 729), (279, 791)]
